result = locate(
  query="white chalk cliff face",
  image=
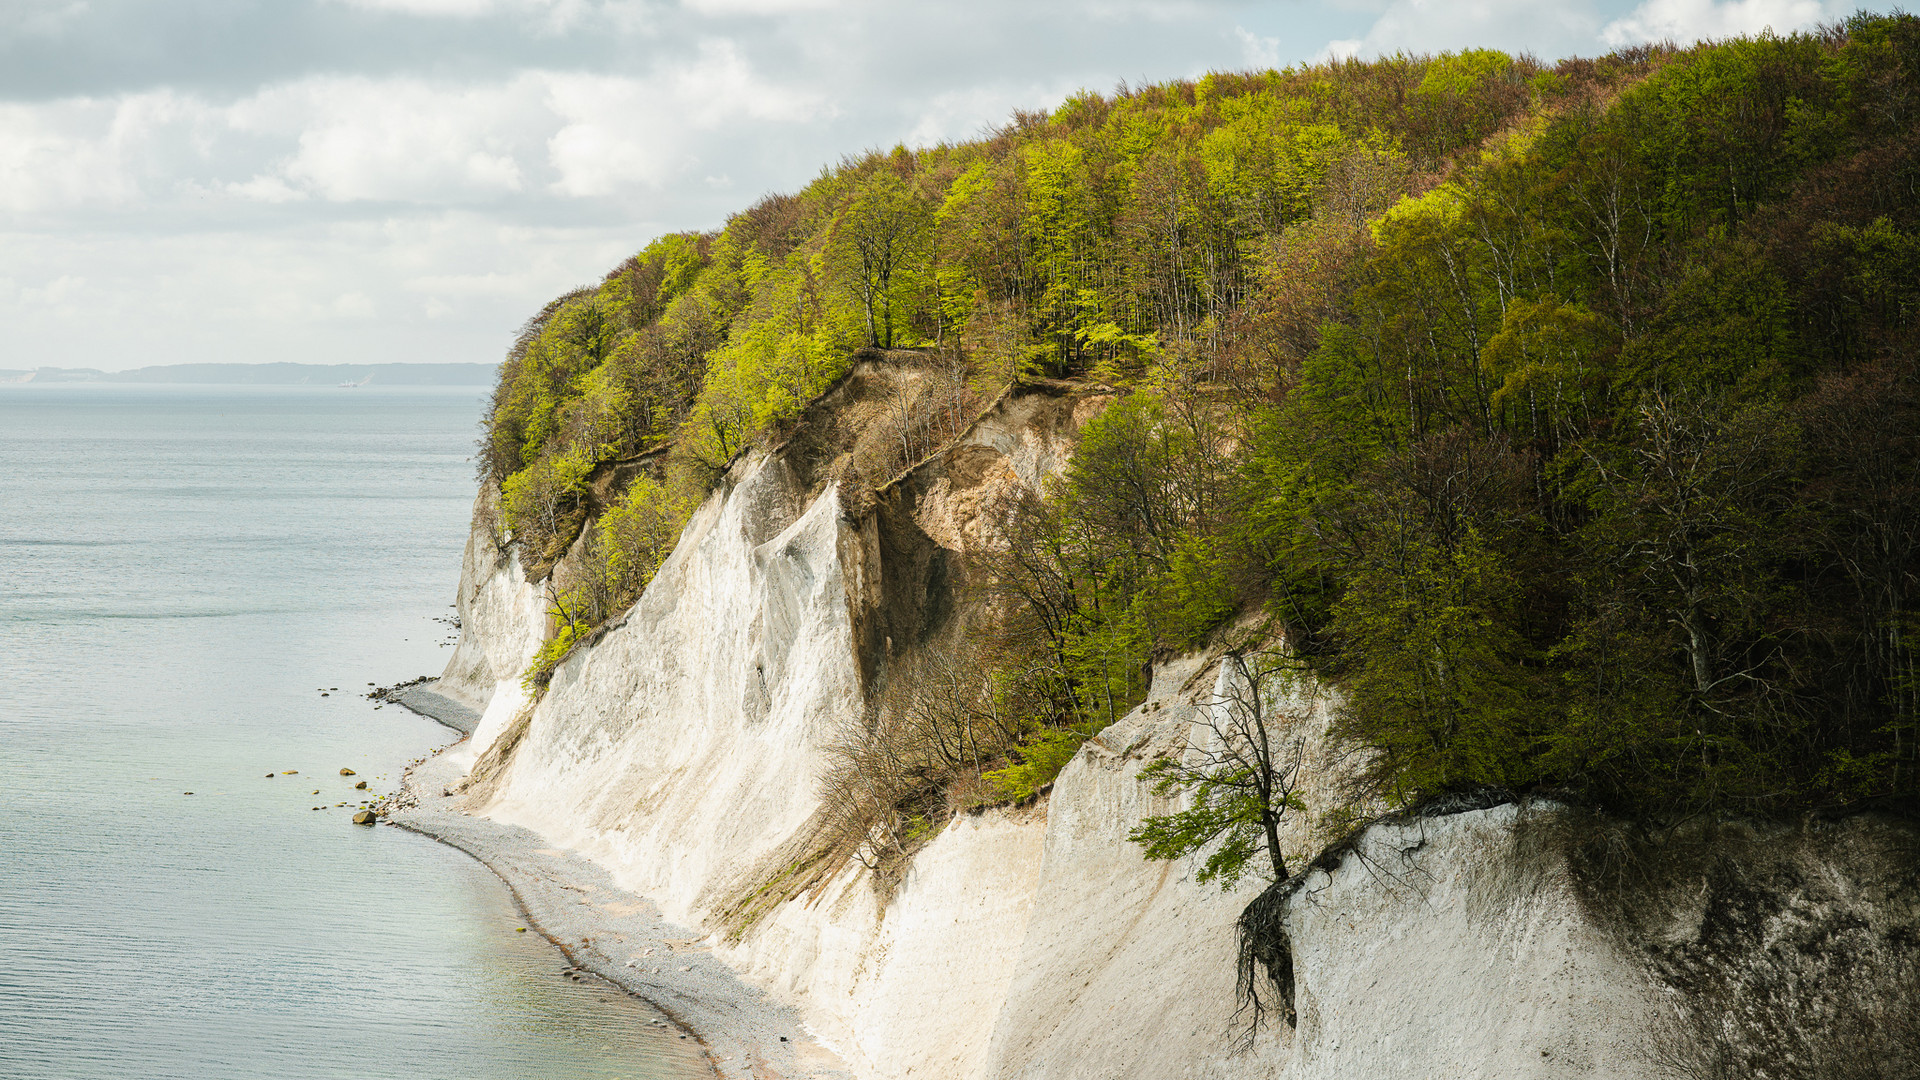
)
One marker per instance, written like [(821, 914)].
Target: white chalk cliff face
[(501, 621), (683, 749)]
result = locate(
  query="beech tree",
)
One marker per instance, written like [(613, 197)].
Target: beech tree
[(1243, 774), (880, 235)]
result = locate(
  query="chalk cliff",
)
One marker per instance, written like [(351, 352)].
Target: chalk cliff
[(682, 750)]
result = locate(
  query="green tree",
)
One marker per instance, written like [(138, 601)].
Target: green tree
[(877, 241), (1243, 774)]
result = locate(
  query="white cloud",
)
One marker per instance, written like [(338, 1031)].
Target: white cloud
[(353, 305), (614, 132), (1698, 20), (399, 139), (617, 131), (1547, 30), (455, 8), (545, 18), (1148, 10), (311, 293), (352, 139), (95, 151), (1569, 27), (266, 189), (962, 114), (466, 9), (44, 162), (719, 86), (1341, 49), (1261, 52), (55, 293), (335, 139)]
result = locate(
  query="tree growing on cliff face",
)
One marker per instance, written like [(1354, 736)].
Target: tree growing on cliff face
[(1243, 773)]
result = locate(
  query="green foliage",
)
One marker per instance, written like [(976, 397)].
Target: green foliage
[(540, 499), (1564, 416), (1038, 762), (647, 284), (1548, 500), (1239, 781), (1441, 685), (1464, 97), (1458, 75), (1196, 593), (881, 250), (552, 651), (1223, 814), (1220, 812), (633, 537), (1266, 170)]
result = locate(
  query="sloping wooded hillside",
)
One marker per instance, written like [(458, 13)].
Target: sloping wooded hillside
[(1563, 416)]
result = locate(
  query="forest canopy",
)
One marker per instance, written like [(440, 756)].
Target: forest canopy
[(1563, 416)]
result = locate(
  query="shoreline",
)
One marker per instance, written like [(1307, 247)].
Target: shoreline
[(418, 697), (602, 930)]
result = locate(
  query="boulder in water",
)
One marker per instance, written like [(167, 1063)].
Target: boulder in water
[(365, 817)]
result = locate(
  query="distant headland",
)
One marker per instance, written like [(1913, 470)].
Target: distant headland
[(274, 374)]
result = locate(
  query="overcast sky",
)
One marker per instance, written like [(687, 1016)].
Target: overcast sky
[(407, 180)]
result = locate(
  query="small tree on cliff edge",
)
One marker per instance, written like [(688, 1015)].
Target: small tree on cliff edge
[(1244, 780)]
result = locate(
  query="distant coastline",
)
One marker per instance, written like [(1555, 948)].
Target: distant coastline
[(273, 374)]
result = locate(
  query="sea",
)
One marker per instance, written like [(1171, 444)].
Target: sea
[(198, 586)]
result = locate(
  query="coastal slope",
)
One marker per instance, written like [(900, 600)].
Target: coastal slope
[(682, 752)]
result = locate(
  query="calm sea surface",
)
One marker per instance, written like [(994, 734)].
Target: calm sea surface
[(182, 570)]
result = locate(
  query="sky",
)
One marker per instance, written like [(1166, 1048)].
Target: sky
[(364, 181)]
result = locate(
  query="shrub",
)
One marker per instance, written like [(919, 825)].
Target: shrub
[(1037, 762)]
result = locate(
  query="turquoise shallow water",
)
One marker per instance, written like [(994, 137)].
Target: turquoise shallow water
[(182, 570)]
